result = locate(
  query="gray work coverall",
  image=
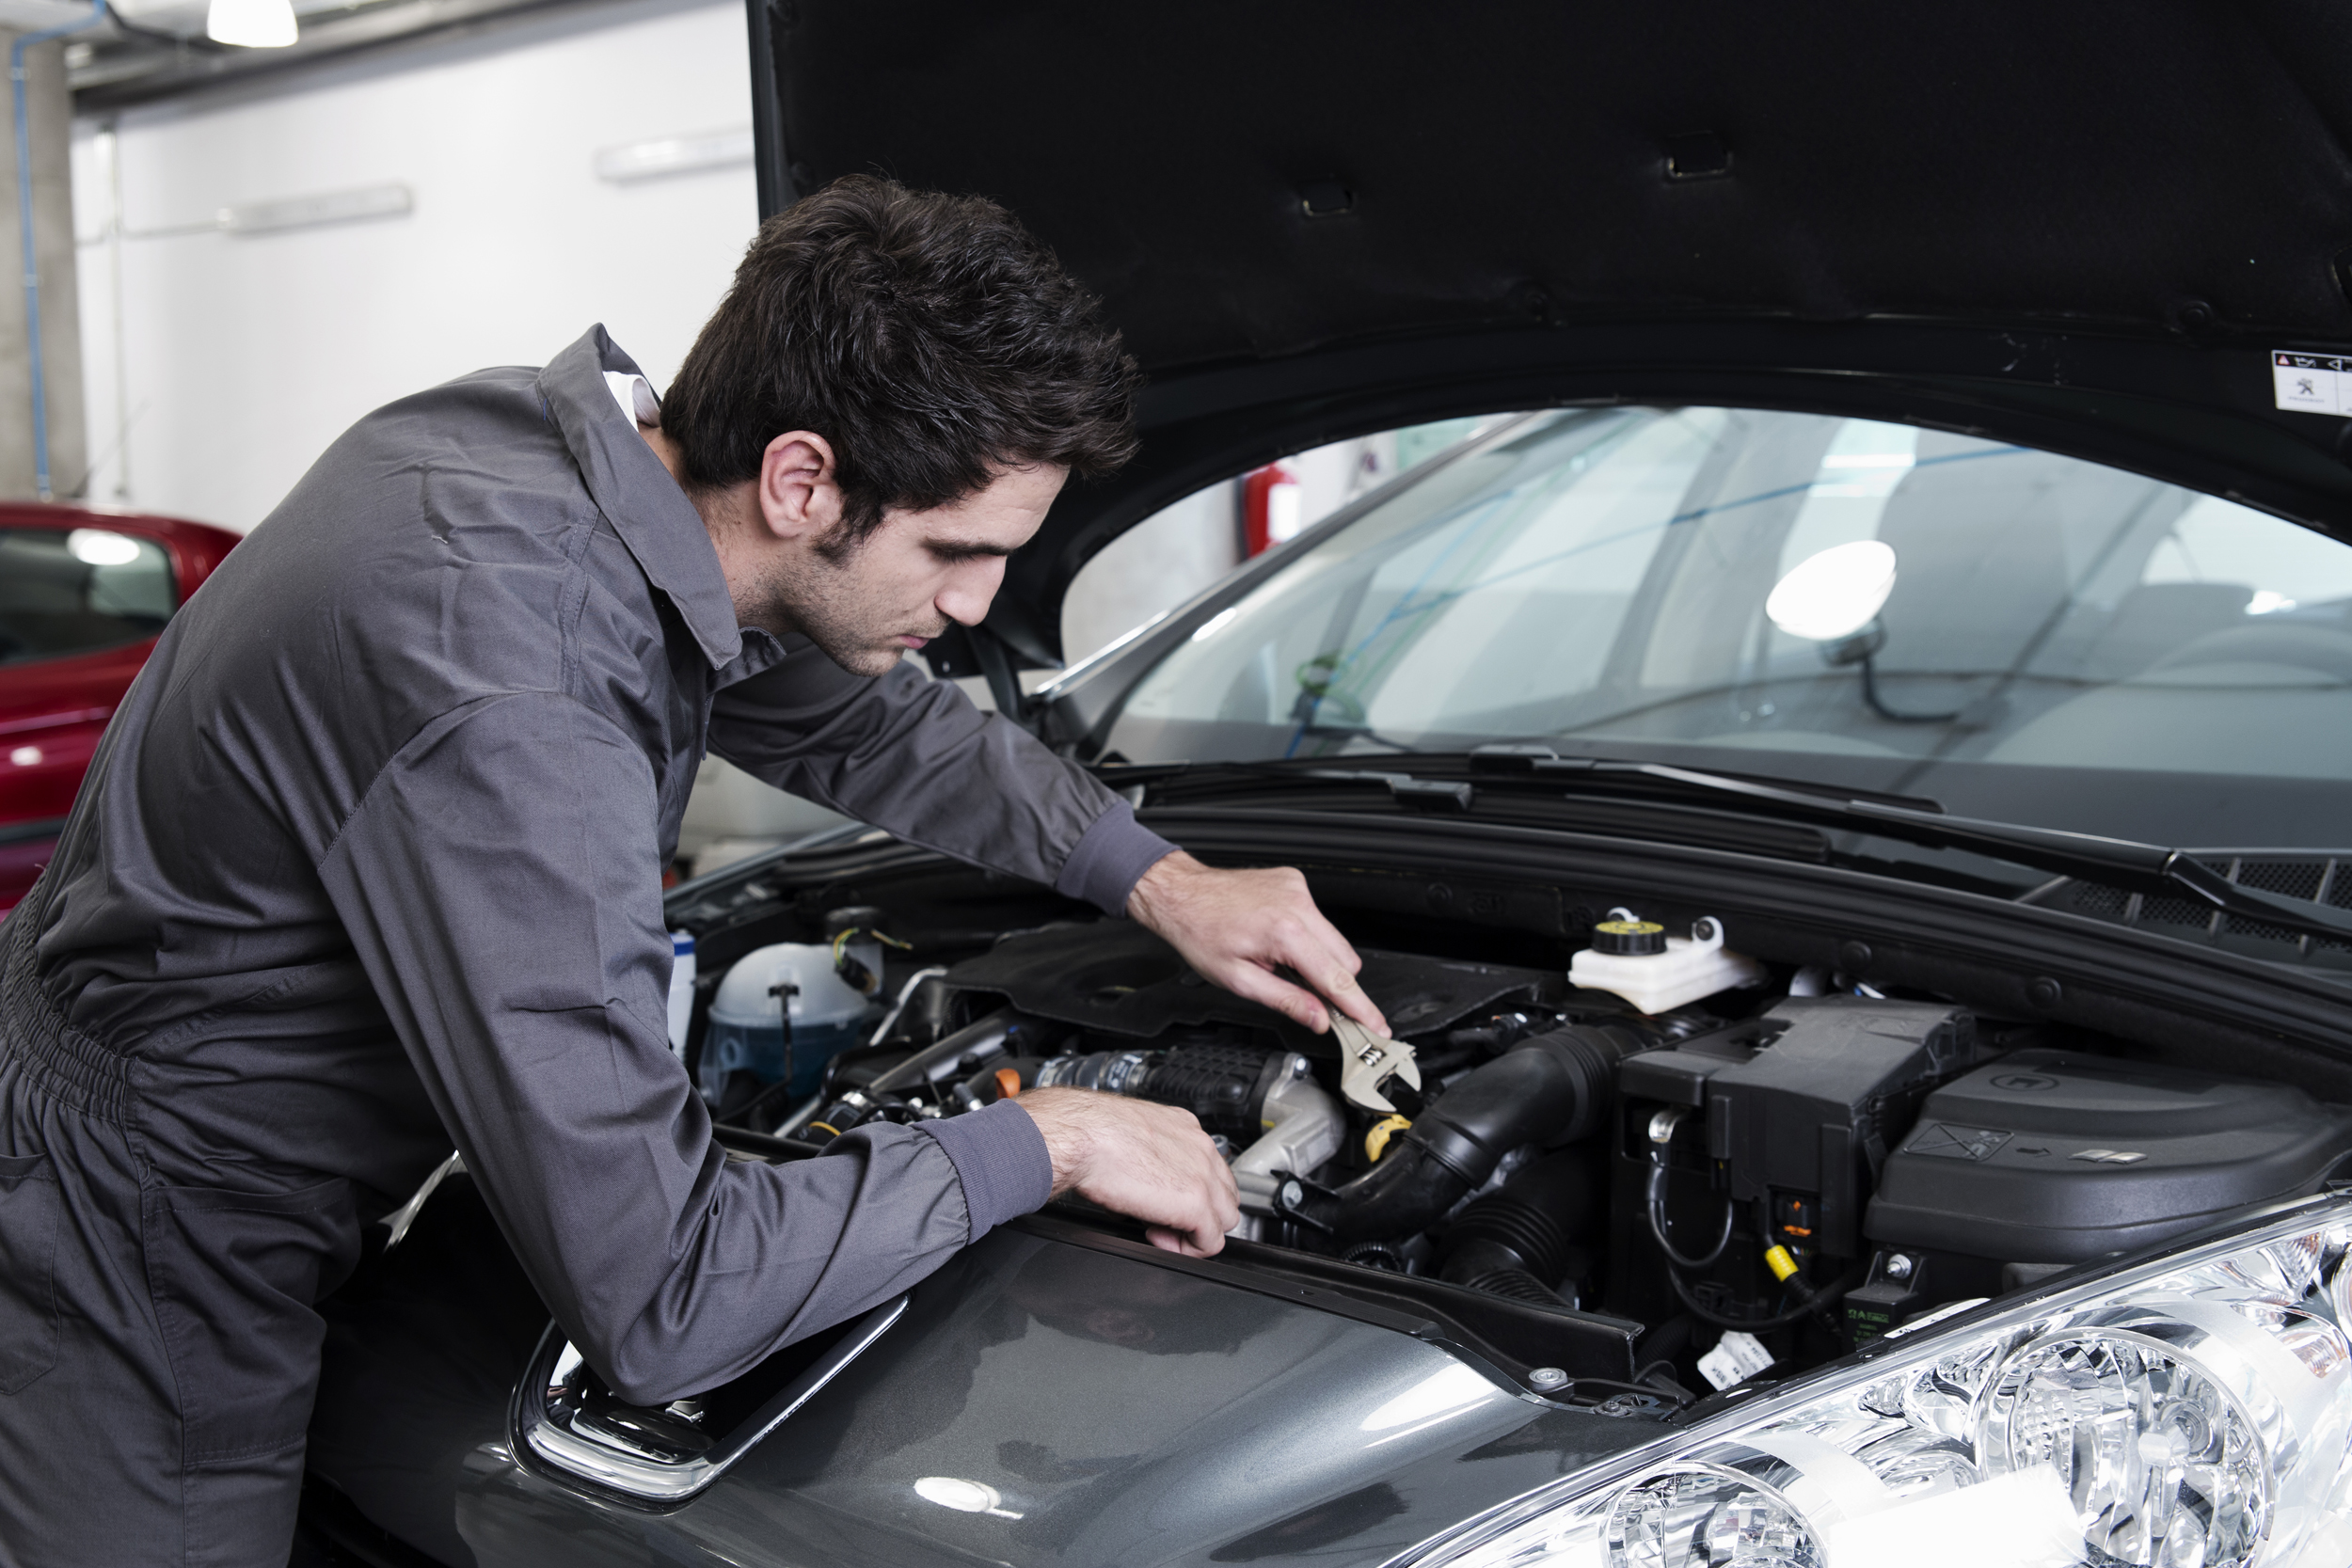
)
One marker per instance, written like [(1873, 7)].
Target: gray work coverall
[(369, 864)]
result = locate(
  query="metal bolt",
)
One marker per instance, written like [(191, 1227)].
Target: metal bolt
[(1897, 1266), (1546, 1378), (1292, 1195)]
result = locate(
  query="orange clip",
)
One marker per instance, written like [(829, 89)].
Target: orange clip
[(1008, 1083)]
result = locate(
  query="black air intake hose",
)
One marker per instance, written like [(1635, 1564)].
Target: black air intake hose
[(1552, 1088), (1517, 1240)]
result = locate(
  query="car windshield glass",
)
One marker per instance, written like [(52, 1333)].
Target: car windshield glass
[(77, 591), (2024, 636)]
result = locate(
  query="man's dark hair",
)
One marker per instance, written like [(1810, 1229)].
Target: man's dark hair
[(930, 339)]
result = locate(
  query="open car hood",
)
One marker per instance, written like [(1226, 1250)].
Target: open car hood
[(2086, 227)]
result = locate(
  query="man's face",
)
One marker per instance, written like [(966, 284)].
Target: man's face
[(867, 606)]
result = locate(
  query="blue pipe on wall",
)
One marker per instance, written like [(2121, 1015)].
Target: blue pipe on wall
[(25, 231)]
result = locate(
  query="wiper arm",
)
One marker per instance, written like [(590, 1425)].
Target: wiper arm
[(2146, 868)]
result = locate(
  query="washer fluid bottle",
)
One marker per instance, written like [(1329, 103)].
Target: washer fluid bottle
[(747, 1018)]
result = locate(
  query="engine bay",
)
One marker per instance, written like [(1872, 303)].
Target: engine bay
[(1771, 1167)]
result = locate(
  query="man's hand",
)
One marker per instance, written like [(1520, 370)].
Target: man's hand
[(1148, 1162), (1235, 926)]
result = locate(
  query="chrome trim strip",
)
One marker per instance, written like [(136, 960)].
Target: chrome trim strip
[(579, 1449), (405, 1215)]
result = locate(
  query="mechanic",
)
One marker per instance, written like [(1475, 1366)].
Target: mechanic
[(369, 864)]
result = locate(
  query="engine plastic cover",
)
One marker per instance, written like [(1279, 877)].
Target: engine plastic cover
[(2045, 1157)]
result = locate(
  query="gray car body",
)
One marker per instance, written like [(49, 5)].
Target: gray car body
[(1125, 1408)]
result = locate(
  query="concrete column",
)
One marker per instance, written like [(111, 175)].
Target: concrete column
[(50, 111)]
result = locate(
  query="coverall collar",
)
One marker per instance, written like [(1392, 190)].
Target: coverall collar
[(637, 495)]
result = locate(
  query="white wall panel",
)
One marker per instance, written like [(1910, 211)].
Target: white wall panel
[(243, 356)]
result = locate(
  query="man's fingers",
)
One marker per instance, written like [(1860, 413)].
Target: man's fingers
[(1176, 1241), (1356, 1005), (1336, 979), (1323, 959), (1238, 927), (1148, 1161), (1256, 984)]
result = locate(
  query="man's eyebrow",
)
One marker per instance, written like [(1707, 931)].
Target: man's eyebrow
[(964, 549)]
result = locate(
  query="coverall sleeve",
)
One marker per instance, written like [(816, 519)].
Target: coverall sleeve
[(916, 757), (499, 882)]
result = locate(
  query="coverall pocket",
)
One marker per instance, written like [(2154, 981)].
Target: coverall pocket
[(234, 1275), (28, 1294)]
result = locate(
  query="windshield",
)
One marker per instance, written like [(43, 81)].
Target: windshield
[(2061, 643)]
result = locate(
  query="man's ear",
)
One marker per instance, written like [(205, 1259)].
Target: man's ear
[(800, 498)]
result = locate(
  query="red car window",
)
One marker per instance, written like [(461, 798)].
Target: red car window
[(76, 592)]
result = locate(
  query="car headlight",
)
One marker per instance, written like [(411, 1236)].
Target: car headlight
[(2189, 1411)]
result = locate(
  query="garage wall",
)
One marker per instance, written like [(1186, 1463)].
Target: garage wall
[(241, 357), (236, 359)]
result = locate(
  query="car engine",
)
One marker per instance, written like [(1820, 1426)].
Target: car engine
[(1767, 1170)]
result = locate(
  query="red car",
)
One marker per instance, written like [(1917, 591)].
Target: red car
[(83, 596)]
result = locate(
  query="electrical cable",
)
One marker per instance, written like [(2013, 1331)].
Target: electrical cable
[(1813, 1301), (742, 1114), (1658, 1221), (1870, 696), (850, 969), (1809, 1301), (1661, 1374)]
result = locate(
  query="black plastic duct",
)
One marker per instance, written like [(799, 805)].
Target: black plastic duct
[(1552, 1088), (1518, 1241)]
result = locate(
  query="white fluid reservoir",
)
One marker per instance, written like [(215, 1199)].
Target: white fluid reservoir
[(1637, 960), (747, 1017)]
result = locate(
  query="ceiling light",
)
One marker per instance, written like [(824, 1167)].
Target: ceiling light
[(310, 212), (649, 160), (251, 24), (95, 547), (1834, 594)]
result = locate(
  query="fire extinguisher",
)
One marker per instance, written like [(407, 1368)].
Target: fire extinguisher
[(1271, 507)]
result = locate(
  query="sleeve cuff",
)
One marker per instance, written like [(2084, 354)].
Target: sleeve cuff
[(1111, 859), (1001, 1159)]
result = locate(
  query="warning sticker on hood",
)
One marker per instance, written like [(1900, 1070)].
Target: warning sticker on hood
[(2311, 383)]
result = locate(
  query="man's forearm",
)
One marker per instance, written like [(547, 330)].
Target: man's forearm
[(915, 757)]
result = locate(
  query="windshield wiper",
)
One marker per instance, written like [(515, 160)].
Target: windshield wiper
[(2121, 862)]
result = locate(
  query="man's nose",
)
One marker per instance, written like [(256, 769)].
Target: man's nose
[(970, 591)]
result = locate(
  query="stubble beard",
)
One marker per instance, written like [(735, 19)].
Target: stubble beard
[(825, 601)]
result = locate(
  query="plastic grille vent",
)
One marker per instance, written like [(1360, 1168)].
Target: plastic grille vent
[(2175, 912), (2238, 926), (2288, 879), (2319, 878), (2096, 898), (2338, 892)]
